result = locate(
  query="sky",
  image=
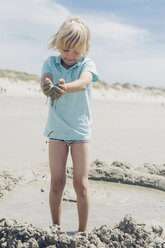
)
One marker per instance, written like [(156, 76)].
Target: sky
[(127, 36)]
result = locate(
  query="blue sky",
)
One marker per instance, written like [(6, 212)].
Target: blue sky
[(128, 36)]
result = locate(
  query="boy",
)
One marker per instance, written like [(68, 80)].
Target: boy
[(69, 119)]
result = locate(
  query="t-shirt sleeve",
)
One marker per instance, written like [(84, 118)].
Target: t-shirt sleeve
[(90, 66), (46, 67)]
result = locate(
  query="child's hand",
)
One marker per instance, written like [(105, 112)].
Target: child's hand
[(63, 86), (58, 90), (46, 86)]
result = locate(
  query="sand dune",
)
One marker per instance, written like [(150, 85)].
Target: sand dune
[(127, 92), (17, 84)]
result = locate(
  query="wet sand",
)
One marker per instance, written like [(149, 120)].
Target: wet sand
[(109, 201), (127, 233), (119, 216)]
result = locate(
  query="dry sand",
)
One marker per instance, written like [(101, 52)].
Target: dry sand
[(133, 133), (128, 134)]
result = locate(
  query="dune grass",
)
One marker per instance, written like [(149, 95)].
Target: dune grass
[(101, 84), (17, 75), (25, 77)]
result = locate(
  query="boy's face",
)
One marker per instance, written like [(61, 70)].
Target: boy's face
[(70, 57)]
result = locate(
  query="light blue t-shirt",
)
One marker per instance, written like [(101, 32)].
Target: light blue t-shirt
[(71, 119)]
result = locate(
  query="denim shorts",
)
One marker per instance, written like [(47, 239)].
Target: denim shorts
[(68, 142)]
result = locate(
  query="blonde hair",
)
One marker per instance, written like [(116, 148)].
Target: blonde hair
[(73, 34)]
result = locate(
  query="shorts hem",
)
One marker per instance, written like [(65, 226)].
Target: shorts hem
[(68, 142)]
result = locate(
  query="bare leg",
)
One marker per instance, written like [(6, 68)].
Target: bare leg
[(57, 159), (80, 157)]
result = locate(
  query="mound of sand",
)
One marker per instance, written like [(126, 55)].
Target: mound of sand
[(8, 181), (125, 87), (148, 175), (128, 92), (126, 234)]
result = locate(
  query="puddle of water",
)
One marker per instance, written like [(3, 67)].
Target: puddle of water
[(145, 204), (110, 202)]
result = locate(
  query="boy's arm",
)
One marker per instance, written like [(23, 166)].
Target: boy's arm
[(75, 86), (80, 84)]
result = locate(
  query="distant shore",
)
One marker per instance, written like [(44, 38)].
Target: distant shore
[(14, 83)]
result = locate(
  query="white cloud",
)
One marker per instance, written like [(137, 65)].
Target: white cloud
[(103, 28), (42, 12), (122, 52), (25, 27), (126, 53)]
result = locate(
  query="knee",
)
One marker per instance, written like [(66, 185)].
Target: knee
[(81, 187), (57, 185)]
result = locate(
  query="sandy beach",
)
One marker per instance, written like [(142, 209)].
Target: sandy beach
[(126, 174)]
